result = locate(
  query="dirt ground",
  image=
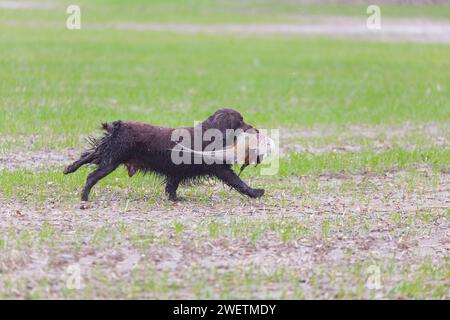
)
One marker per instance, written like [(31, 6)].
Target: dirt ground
[(315, 236), (326, 236), (414, 30)]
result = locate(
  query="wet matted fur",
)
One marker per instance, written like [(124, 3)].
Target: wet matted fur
[(147, 148)]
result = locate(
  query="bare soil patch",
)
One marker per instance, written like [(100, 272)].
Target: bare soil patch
[(37, 159), (290, 244), (392, 29), (414, 30), (26, 5)]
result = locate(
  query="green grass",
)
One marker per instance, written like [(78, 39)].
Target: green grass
[(222, 11), (219, 11), (300, 163), (59, 85), (52, 186)]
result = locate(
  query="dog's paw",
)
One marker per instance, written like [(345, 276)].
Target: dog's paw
[(176, 199), (68, 169), (84, 205), (257, 193)]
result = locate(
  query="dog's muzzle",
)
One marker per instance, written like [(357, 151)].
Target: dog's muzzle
[(252, 148)]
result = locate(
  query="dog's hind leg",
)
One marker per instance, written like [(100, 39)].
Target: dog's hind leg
[(85, 158), (96, 176)]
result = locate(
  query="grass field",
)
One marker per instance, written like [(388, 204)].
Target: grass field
[(364, 174), (222, 11)]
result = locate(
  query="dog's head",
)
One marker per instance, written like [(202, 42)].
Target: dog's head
[(227, 119), (241, 137)]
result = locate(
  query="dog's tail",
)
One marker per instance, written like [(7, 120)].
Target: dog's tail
[(99, 147), (111, 127)]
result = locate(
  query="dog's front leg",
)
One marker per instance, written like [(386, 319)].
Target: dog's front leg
[(172, 184), (230, 178)]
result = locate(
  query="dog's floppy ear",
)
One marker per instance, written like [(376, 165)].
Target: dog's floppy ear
[(222, 120), (218, 121)]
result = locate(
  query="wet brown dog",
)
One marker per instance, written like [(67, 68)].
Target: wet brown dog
[(148, 148)]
